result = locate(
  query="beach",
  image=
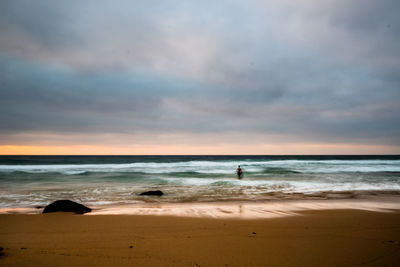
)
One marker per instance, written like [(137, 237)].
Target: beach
[(345, 237), (286, 211)]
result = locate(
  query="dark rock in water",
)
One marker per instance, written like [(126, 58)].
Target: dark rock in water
[(67, 206), (39, 207), (152, 193)]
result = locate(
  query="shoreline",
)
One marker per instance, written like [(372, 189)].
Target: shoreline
[(134, 197), (236, 209)]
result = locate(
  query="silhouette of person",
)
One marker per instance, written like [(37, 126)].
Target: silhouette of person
[(239, 172)]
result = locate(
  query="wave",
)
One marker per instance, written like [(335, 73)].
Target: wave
[(277, 170), (211, 168)]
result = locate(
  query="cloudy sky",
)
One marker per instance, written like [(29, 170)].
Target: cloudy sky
[(200, 77)]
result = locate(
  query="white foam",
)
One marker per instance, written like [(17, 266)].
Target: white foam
[(218, 167)]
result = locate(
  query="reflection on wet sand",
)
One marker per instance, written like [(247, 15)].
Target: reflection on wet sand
[(246, 210)]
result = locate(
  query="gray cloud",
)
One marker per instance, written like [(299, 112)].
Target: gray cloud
[(303, 70)]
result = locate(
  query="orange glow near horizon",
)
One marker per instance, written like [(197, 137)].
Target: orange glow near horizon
[(221, 149)]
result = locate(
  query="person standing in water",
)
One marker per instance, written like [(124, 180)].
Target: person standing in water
[(239, 172)]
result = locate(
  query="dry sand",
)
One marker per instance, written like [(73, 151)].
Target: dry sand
[(312, 238)]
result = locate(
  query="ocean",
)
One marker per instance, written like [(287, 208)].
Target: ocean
[(29, 181)]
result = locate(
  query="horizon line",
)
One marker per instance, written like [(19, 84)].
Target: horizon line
[(168, 155)]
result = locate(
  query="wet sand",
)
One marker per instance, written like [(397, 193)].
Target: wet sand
[(248, 210), (334, 237)]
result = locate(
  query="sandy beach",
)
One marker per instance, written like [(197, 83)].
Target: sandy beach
[(335, 237), (287, 211)]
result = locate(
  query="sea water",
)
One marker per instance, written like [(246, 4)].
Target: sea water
[(28, 181)]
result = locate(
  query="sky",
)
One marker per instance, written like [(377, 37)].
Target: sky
[(200, 77)]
